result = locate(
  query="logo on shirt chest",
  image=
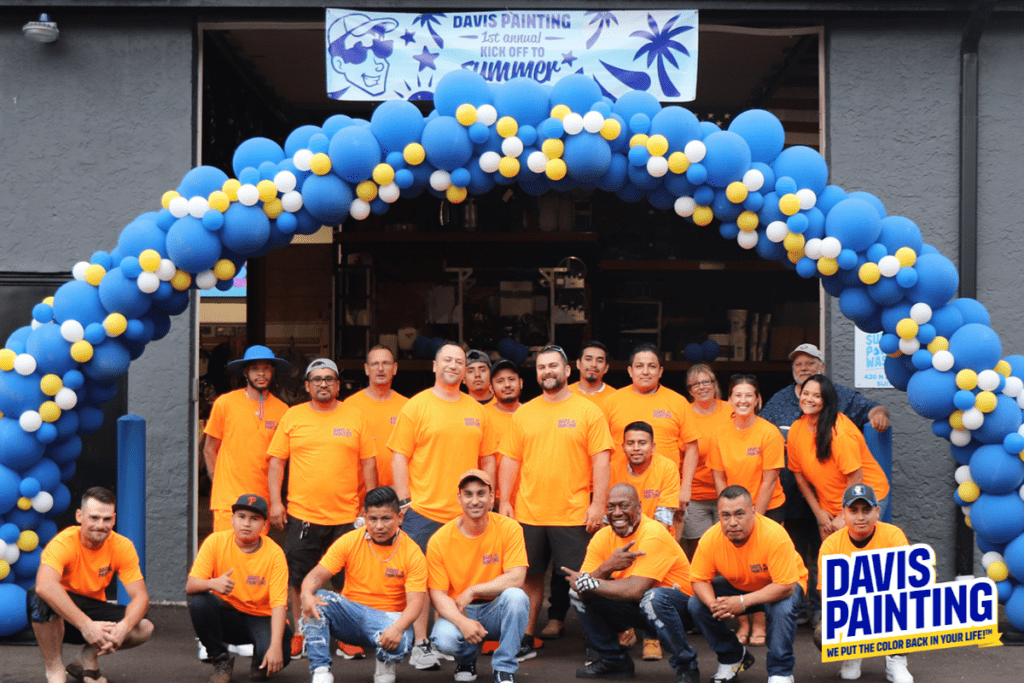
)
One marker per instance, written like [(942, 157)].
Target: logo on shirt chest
[(491, 558), (103, 571), (393, 573), (753, 451), (254, 580), (270, 424), (758, 568), (662, 414), (567, 424), (342, 431), (472, 422), (652, 493), (394, 419)]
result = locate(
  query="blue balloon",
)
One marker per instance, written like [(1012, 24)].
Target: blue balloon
[(930, 393), (942, 429), (972, 310), (854, 222), (1004, 419), (332, 125), (677, 124), (102, 258), (615, 177), (65, 451), (637, 155), (66, 424), (76, 300), (191, 246), (202, 181), (999, 518), (395, 124), (141, 234), (524, 99), (1013, 555), (727, 158), (298, 139), (808, 268), (109, 361), (937, 281), (636, 102), (447, 143), (708, 127), (587, 156), (639, 124), (246, 229), (946, 321), (697, 174), (906, 277), (870, 199), (963, 399), (639, 176), (24, 519), (47, 474), (711, 350), (724, 209), (175, 304), (886, 291), (763, 133), (13, 616), (855, 302), (576, 91), (459, 87), (354, 154), (804, 165), (119, 294), (51, 351), (328, 198), (975, 346), (995, 471), (898, 232), (254, 152), (9, 494)]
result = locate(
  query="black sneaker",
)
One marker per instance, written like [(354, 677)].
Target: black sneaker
[(603, 668), (504, 677), (526, 649), (222, 667), (690, 676), (464, 673)]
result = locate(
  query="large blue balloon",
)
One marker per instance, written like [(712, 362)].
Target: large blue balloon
[(524, 99), (999, 518), (13, 616), (201, 181), (141, 234), (354, 153), (77, 300), (937, 280), (854, 222), (763, 132), (636, 102), (120, 294), (299, 138), (806, 166), (246, 229), (1005, 419), (946, 320), (576, 91), (328, 198), (587, 156), (109, 361), (727, 158), (975, 346), (447, 143), (9, 493), (972, 310), (930, 393), (459, 87), (395, 124), (898, 232), (51, 351), (191, 246), (995, 470), (253, 152)]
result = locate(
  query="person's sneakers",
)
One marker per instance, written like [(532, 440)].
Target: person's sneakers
[(203, 656), (689, 676), (627, 638), (896, 669), (526, 649), (322, 674), (504, 677), (727, 672), (652, 649), (602, 668), (384, 672), (424, 656), (849, 669), (222, 667), (241, 650), (346, 651), (298, 646), (553, 630), (465, 672), (781, 679)]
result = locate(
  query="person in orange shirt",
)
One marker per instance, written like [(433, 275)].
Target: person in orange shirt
[(477, 565), (385, 590), (440, 433), (478, 377), (239, 589), (593, 365), (241, 426), (68, 603), (635, 575), (326, 443), (508, 387), (380, 405), (708, 413), (558, 446), (757, 569)]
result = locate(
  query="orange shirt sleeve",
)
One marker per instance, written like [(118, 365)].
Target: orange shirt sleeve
[(202, 567), (215, 425), (437, 573), (599, 437), (715, 453), (702, 567), (773, 448), (598, 550), (403, 437), (280, 445), (491, 442), (512, 444), (367, 446)]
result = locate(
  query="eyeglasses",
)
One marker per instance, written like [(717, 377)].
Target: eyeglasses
[(326, 381), (701, 384)]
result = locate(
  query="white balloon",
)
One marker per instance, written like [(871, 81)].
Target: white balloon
[(573, 123), (178, 207), (889, 266), (36, 324), (148, 282), (960, 437), (990, 557), (962, 474), (197, 206), (66, 399), (248, 195), (966, 509), (973, 418), (807, 198), (389, 193), (291, 201), (360, 209), (30, 421), (909, 346), (988, 380), (831, 247), (486, 114), (440, 180), (695, 151), (25, 364), (657, 166), (166, 270), (753, 180), (942, 361), (43, 502), (921, 313), (512, 146), (593, 121), (812, 248), (78, 270), (776, 231), (72, 331), (489, 162), (1013, 387), (1020, 404), (1021, 492), (3, 549), (206, 280), (747, 239), (537, 161), (302, 159), (285, 181), (685, 206), (12, 554)]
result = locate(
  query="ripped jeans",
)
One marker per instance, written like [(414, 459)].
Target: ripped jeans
[(354, 624), (660, 609)]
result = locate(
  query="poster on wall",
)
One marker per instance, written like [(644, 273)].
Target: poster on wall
[(869, 361), (396, 55)]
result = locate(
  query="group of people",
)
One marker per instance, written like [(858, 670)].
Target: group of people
[(657, 515)]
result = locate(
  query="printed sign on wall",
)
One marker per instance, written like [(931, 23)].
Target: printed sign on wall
[(869, 361)]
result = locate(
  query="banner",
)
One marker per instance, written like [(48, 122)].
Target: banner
[(394, 55), (868, 361)]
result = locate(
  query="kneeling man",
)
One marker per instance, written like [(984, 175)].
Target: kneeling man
[(760, 571), (68, 604)]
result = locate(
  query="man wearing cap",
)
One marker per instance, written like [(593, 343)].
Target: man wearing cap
[(747, 563), (239, 590), (593, 365), (476, 565), (507, 386), (241, 426), (863, 532), (326, 443), (440, 433), (380, 405), (478, 377)]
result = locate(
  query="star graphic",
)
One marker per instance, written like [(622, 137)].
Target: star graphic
[(568, 58), (408, 37), (426, 59)]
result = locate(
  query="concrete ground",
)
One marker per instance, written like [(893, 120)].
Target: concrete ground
[(171, 656)]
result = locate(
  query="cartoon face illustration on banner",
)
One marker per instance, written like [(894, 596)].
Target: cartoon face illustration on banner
[(359, 51)]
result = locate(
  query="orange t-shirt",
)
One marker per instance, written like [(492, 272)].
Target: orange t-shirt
[(703, 481), (599, 398), (744, 455), (555, 444), (325, 451), (381, 416), (665, 561), (849, 453), (89, 572), (261, 577), (839, 543), (658, 486), (377, 576), (501, 422), (242, 460), (767, 557), (665, 410), (455, 561), (440, 440)]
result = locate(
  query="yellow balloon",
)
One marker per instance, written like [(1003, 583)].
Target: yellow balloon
[(24, 503), (267, 190), (273, 208), (555, 169), (611, 129), (224, 269), (48, 301), (165, 200), (181, 281), (657, 145), (320, 164), (28, 540), (907, 328), (115, 324), (747, 221), (795, 256), (506, 126), (219, 201), (969, 491), (508, 167), (638, 139), (938, 344), (49, 411), (794, 241), (736, 192), (998, 571), (383, 174), (465, 114), (1003, 368), (703, 215), (230, 188), (869, 273), (827, 266), (560, 111), (94, 274), (414, 154), (367, 190), (789, 204), (51, 384), (5, 569), (967, 521), (906, 256), (678, 163), (966, 379), (456, 195), (81, 351), (552, 148), (7, 359), (956, 419), (150, 260), (985, 401)]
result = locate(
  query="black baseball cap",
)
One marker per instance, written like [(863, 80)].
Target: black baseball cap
[(504, 364), (859, 492), (251, 502)]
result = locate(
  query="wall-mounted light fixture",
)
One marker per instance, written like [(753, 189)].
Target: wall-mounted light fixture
[(42, 31)]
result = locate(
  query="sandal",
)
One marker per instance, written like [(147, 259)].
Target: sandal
[(76, 671), (742, 638), (757, 639)]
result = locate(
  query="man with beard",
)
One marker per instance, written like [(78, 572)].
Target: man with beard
[(558, 446), (593, 364), (241, 426), (478, 377), (440, 433), (385, 590), (476, 565), (380, 405), (68, 603), (635, 575), (507, 386), (757, 569), (326, 443)]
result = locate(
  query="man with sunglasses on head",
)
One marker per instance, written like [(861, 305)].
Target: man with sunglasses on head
[(326, 443)]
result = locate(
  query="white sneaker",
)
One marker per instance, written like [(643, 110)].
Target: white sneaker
[(896, 669), (322, 674), (241, 650), (849, 669), (384, 673), (424, 657), (727, 672), (202, 651), (780, 679)]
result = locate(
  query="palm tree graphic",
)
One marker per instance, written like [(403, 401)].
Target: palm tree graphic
[(660, 43), (603, 21), (427, 21)]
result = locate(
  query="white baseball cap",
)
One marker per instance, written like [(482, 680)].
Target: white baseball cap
[(810, 350)]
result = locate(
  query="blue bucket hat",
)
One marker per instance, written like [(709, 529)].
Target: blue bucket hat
[(255, 353)]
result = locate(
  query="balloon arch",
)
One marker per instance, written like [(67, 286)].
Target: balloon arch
[(57, 371)]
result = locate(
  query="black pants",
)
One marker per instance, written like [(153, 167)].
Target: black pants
[(217, 624)]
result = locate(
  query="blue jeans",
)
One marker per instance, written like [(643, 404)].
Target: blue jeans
[(781, 625), (504, 618), (660, 609), (351, 623)]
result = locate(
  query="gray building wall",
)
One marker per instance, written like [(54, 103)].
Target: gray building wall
[(95, 128)]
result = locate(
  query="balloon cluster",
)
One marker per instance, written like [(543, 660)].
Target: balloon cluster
[(56, 372)]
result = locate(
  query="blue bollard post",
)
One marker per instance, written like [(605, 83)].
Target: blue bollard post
[(880, 445), (131, 488)]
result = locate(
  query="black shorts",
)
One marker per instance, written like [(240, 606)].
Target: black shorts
[(40, 612), (306, 544), (562, 546)]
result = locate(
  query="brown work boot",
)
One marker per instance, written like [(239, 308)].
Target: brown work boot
[(222, 667)]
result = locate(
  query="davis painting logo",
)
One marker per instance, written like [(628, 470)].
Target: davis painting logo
[(886, 602)]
